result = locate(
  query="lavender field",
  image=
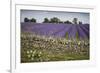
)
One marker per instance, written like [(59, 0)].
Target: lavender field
[(43, 42)]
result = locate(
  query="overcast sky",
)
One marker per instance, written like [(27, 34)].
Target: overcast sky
[(63, 16)]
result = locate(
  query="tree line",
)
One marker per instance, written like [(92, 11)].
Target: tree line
[(29, 20), (54, 20)]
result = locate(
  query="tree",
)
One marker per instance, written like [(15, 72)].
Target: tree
[(46, 20), (26, 20), (68, 22), (54, 20), (75, 21), (33, 20), (61, 22), (80, 22)]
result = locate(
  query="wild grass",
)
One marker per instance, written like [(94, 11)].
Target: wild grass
[(36, 48)]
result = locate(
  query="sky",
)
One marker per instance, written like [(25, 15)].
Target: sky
[(63, 16)]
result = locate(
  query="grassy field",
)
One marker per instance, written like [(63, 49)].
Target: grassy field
[(35, 48)]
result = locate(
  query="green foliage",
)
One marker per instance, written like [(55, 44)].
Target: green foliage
[(80, 22), (67, 35), (30, 20), (36, 48), (26, 20), (33, 20), (77, 36), (68, 22), (75, 21), (54, 20), (61, 22), (46, 20)]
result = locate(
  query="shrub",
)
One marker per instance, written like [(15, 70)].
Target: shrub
[(26, 20), (46, 20), (33, 20)]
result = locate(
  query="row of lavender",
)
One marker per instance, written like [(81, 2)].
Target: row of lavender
[(57, 30)]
